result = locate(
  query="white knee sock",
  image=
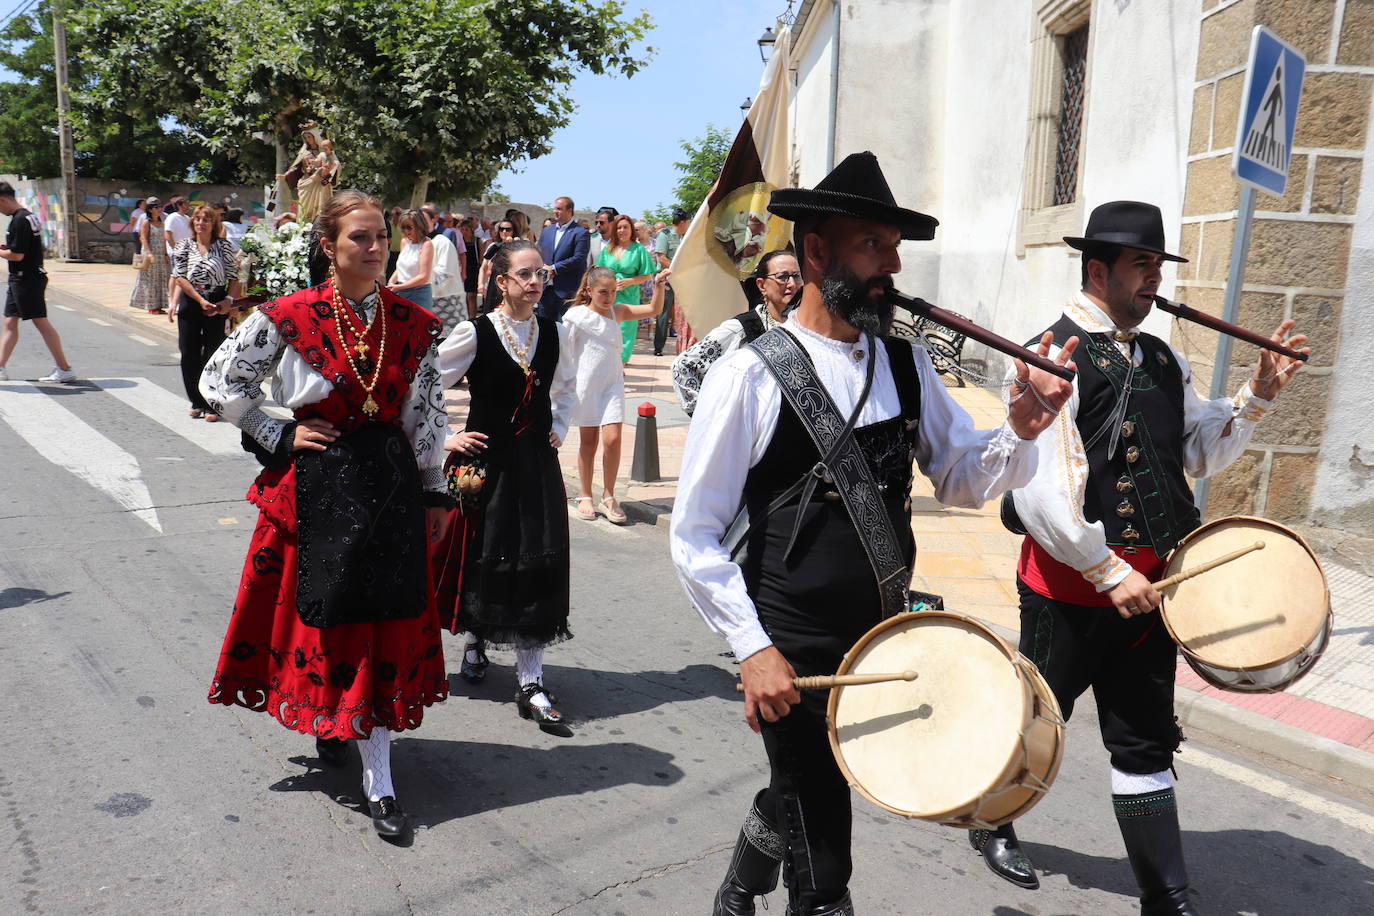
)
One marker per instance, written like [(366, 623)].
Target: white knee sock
[(376, 753), (1140, 783), (529, 669)]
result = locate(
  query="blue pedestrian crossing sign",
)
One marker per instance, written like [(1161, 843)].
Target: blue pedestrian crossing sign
[(1269, 116)]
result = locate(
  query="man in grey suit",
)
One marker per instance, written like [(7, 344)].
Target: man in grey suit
[(564, 246)]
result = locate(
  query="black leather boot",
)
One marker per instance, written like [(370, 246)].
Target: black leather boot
[(1004, 856), (754, 866), (842, 907), (1149, 827)]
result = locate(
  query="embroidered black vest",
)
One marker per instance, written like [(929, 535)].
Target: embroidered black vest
[(752, 324), (1140, 494), (823, 597), (497, 385)]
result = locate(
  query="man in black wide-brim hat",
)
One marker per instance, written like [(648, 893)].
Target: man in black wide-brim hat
[(1109, 500), (814, 424)]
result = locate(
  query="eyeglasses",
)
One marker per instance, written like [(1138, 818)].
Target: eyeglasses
[(524, 274), (784, 277)]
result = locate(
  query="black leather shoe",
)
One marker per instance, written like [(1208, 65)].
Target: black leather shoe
[(474, 672), (543, 715), (387, 817), (1004, 856), (332, 751)]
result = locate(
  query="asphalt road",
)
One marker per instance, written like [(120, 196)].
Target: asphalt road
[(123, 791)]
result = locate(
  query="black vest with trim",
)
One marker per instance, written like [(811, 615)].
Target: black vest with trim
[(1140, 494), (497, 385), (818, 602), (752, 324)]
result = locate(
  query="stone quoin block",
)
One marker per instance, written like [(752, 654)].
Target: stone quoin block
[(1188, 239), (1217, 236), (1234, 491), (1200, 129), (1260, 312), (1291, 201), (1226, 111), (1357, 34), (1290, 487), (1211, 189), (1336, 185), (1319, 317), (1304, 24), (1335, 110), (1224, 39), (1299, 415), (1294, 253)]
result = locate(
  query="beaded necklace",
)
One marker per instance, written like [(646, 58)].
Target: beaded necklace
[(521, 353), (343, 316)]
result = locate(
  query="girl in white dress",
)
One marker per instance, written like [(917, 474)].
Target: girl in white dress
[(594, 343)]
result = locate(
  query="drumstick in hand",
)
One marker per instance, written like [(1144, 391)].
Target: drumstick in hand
[(1176, 578), (826, 681)]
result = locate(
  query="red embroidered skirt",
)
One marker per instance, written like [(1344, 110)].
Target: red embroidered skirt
[(332, 682)]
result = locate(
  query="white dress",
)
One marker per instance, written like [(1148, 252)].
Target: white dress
[(594, 344)]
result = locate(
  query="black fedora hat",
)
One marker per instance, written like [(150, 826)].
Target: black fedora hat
[(1128, 223), (856, 189)]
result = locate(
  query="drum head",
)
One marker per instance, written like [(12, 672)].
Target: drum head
[(1254, 612), (929, 747)]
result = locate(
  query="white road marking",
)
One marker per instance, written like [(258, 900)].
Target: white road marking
[(159, 404), (143, 340), (1351, 817), (103, 324), (69, 442), (63, 307)]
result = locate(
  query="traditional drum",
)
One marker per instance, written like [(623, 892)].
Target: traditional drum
[(975, 740), (1255, 623)]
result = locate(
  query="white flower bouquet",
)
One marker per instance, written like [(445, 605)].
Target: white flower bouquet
[(277, 260)]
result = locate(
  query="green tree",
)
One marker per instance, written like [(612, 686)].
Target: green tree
[(434, 96), (126, 143), (699, 171)]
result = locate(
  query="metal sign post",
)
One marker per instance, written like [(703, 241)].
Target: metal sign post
[(1263, 149)]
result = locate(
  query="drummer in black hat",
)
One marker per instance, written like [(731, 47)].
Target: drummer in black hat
[(808, 580), (1109, 500)]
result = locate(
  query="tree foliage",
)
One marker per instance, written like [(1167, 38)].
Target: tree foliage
[(698, 172), (441, 91), (127, 142)]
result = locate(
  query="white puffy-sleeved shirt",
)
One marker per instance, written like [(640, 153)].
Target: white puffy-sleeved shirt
[(233, 379), (691, 365), (737, 414), (459, 349), (1051, 505)]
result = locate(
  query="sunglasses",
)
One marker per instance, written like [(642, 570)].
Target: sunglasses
[(505, 228)]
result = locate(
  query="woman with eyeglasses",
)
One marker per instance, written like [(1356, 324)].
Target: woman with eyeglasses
[(415, 266), (771, 290), (632, 265), (150, 286), (502, 232), (501, 573)]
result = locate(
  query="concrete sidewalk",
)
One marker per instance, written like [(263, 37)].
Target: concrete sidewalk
[(1324, 723)]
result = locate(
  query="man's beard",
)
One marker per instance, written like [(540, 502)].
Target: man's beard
[(848, 298)]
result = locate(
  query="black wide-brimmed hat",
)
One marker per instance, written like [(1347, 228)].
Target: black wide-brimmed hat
[(856, 189), (1129, 223)]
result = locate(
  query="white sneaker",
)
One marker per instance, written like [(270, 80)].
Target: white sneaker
[(4, 374), (64, 376)]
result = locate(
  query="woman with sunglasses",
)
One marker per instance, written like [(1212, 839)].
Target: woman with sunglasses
[(770, 289), (502, 232), (415, 266), (501, 573), (150, 286), (632, 265)]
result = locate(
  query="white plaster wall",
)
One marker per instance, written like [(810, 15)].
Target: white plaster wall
[(811, 101), (1343, 495)]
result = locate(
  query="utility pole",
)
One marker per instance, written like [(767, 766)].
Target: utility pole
[(70, 244)]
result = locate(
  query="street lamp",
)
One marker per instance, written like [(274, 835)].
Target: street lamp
[(745, 106), (766, 42)]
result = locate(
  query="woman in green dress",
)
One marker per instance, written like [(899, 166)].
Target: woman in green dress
[(632, 265)]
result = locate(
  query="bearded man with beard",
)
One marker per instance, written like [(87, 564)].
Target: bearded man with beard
[(807, 586)]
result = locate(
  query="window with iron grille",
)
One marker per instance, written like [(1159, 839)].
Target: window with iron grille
[(1075, 61)]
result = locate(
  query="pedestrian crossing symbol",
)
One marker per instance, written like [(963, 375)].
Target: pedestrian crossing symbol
[(1264, 136)]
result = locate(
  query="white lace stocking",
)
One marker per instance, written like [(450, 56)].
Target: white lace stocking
[(529, 669), (376, 753)]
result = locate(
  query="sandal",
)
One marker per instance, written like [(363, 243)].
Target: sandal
[(614, 514), (588, 514), (195, 413)]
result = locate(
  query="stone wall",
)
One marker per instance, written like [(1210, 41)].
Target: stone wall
[(1299, 260)]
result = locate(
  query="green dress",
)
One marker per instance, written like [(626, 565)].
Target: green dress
[(634, 261)]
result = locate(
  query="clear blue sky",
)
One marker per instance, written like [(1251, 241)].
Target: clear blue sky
[(621, 144)]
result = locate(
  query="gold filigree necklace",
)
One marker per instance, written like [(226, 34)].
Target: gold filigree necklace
[(520, 353), (343, 316)]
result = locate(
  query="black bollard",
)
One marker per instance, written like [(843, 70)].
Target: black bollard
[(644, 468)]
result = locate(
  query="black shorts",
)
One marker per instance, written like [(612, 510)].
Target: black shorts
[(26, 299)]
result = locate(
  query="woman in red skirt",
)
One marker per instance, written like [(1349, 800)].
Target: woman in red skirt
[(334, 632)]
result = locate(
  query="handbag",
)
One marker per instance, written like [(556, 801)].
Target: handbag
[(465, 474), (143, 260)]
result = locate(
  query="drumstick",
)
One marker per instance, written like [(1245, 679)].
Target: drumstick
[(826, 681), (1176, 578)]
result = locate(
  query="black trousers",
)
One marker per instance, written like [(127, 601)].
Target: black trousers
[(664, 321), (198, 336), (811, 799), (1129, 664)]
